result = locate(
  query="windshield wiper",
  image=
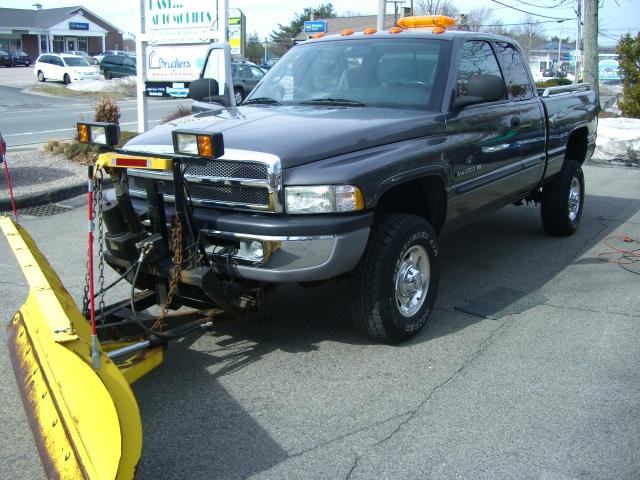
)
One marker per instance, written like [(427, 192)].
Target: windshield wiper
[(333, 101), (263, 100)]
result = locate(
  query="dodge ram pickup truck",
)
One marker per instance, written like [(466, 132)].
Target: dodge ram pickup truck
[(348, 160)]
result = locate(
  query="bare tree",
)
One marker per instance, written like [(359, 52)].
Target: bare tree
[(435, 7), (479, 20), (530, 34)]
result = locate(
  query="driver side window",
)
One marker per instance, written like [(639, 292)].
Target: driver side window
[(476, 58)]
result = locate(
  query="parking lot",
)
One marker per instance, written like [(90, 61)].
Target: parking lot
[(21, 77), (550, 393)]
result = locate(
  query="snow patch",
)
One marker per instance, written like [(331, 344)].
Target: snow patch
[(618, 140), (117, 85)]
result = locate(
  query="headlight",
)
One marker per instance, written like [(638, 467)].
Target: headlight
[(323, 199), (198, 144), (99, 133)]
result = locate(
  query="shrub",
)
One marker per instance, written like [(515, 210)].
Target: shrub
[(179, 112), (628, 51), (553, 82), (107, 110)]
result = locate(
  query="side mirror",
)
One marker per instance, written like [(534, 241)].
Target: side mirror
[(206, 90), (481, 89)]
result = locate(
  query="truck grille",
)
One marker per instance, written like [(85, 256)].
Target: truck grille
[(234, 184)]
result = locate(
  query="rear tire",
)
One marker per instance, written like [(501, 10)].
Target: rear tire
[(395, 284), (66, 79), (41, 76), (563, 200)]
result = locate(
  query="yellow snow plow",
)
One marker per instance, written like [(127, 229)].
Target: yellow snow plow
[(74, 366), (86, 422)]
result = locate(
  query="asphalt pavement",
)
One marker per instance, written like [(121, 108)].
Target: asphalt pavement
[(550, 393), (28, 118)]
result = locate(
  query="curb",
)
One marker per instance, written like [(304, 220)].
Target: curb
[(48, 196)]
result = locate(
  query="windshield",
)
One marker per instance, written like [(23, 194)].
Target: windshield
[(76, 62), (398, 73)]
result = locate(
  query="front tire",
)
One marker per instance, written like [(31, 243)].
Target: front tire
[(107, 75), (239, 94), (563, 200), (395, 284), (66, 79), (41, 76)]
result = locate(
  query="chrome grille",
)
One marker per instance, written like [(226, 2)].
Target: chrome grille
[(238, 184)]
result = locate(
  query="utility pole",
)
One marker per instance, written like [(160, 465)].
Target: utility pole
[(578, 37), (591, 45), (382, 10), (395, 9)]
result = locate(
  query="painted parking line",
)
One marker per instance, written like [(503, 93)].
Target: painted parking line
[(64, 130)]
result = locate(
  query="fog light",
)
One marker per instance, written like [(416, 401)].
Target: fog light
[(256, 249)]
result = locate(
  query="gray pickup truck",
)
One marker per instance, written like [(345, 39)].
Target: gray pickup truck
[(349, 159)]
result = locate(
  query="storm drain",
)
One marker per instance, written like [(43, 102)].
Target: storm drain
[(45, 210), (497, 303)]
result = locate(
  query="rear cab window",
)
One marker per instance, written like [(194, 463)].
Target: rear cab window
[(515, 73)]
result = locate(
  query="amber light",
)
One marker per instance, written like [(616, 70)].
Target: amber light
[(318, 35), (426, 21), (83, 133), (346, 31), (438, 30), (395, 30), (205, 149), (369, 31)]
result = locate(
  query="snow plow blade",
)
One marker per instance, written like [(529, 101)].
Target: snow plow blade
[(86, 422)]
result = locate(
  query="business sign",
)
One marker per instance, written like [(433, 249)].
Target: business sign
[(315, 26), (608, 70), (237, 33), (78, 26), (184, 21), (175, 63)]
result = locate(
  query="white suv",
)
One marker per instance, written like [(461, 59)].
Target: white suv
[(64, 67)]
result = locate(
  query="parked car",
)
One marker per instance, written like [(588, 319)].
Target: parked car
[(246, 76), (82, 54), (117, 66), (5, 58), (64, 67), (20, 58), (97, 59)]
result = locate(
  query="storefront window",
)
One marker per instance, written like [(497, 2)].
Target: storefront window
[(58, 43), (44, 47), (9, 44), (83, 44)]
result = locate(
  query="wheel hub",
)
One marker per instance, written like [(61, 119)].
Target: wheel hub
[(574, 199), (412, 281)]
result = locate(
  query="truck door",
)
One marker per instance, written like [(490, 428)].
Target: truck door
[(532, 129), (484, 155)]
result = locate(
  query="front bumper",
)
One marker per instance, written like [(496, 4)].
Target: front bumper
[(295, 248)]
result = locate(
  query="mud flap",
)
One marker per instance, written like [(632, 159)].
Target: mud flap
[(86, 422)]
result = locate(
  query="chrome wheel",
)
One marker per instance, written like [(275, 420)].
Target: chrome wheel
[(574, 199), (412, 280), (239, 96)]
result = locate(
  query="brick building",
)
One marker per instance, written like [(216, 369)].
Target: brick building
[(62, 29)]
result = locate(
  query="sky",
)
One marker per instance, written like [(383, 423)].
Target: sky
[(616, 16)]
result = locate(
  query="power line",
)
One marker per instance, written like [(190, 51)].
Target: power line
[(560, 3), (529, 13)]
